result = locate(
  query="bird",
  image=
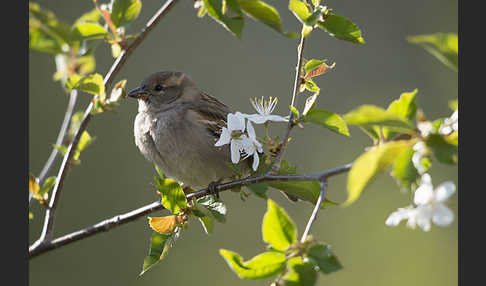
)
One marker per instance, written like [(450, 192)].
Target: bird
[(177, 126)]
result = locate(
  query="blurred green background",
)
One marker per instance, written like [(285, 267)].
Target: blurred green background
[(114, 177)]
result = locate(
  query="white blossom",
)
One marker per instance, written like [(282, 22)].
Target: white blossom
[(233, 134), (425, 128), (429, 206), (420, 152), (450, 124), (264, 109)]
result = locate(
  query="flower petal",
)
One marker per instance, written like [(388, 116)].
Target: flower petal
[(424, 194), (235, 152), (442, 215), (257, 118), (423, 216), (224, 138), (397, 216), (250, 130), (277, 118), (236, 121), (444, 191), (256, 161)]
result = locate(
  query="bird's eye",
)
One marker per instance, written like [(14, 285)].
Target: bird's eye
[(158, 87)]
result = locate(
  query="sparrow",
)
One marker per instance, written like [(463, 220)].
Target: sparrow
[(177, 126)]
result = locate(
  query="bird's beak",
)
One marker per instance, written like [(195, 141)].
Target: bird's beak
[(138, 93)]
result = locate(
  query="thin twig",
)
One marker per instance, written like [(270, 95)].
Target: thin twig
[(60, 137), (322, 196), (300, 51), (47, 230), (118, 220)]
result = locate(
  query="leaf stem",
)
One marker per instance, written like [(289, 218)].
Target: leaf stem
[(313, 217)]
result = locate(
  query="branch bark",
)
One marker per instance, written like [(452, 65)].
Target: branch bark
[(300, 51), (48, 227), (108, 224)]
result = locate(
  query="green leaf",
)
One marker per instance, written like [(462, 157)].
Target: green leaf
[(92, 16), (443, 46), (371, 163), (342, 28), (443, 151), (300, 10), (84, 141), (173, 197), (31, 216), (311, 86), (312, 65), (404, 107), (159, 244), (41, 41), (404, 170), (321, 255), (46, 21), (215, 207), (262, 12), (89, 31), (48, 184), (125, 11), (301, 273), (60, 148), (327, 119), (259, 189), (262, 266), (278, 229), (92, 84), (232, 24), (159, 172), (368, 116), (454, 104), (305, 190)]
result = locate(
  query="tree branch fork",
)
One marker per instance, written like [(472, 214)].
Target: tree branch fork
[(40, 247)]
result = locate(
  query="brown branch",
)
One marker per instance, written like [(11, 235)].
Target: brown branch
[(278, 157), (60, 138), (118, 220), (47, 230)]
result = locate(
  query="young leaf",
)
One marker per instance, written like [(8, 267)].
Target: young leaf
[(92, 84), (315, 68), (310, 103), (370, 164), (216, 208), (369, 115), (89, 31), (262, 12), (342, 28), (300, 10), (92, 16), (278, 229), (304, 190), (31, 216), (404, 170), (311, 86), (232, 24), (321, 255), (33, 185), (84, 141), (261, 266), (404, 107), (166, 224), (443, 46), (125, 11), (301, 273), (327, 119), (47, 27), (454, 104), (159, 244), (48, 184), (443, 151), (259, 189), (173, 197)]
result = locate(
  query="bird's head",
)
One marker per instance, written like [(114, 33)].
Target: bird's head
[(162, 88)]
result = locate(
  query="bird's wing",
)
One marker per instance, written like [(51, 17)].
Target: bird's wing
[(212, 113)]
